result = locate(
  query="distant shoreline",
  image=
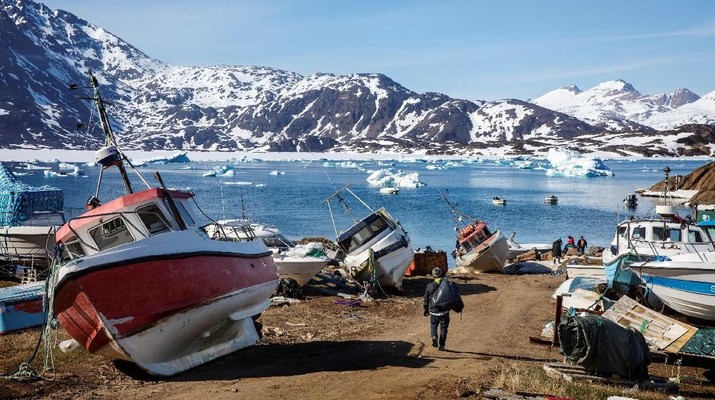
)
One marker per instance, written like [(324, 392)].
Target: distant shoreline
[(139, 155)]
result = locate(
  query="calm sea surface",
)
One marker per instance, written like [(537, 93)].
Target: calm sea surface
[(293, 201)]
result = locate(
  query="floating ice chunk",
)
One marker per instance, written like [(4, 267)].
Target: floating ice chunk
[(572, 163), (239, 183), (433, 167), (392, 177), (343, 164), (53, 174), (179, 157), (221, 171), (276, 173)]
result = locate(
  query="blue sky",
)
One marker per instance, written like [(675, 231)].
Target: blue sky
[(466, 49)]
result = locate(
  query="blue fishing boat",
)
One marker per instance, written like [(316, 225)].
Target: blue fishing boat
[(21, 306)]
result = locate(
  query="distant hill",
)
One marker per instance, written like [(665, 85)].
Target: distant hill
[(154, 105)]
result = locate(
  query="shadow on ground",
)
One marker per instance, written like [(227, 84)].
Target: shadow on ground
[(274, 360)]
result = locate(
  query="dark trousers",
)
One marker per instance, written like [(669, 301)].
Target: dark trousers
[(443, 322)]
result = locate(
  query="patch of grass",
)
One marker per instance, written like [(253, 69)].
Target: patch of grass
[(533, 379)]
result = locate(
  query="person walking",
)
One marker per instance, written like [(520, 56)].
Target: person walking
[(556, 250), (581, 245), (437, 317)]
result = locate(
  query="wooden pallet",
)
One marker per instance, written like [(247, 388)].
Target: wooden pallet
[(663, 332), (573, 373)]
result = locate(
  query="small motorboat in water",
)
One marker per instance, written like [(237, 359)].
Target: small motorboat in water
[(498, 201), (377, 247), (140, 281), (551, 200), (389, 190)]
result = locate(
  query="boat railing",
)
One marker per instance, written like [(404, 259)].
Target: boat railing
[(42, 218), (684, 247), (238, 233)]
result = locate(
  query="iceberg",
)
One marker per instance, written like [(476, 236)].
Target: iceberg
[(179, 157), (572, 163), (392, 177), (222, 171)]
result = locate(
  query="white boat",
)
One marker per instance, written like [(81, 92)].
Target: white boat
[(377, 247), (517, 249), (389, 190), (141, 281), (551, 200), (630, 201), (686, 286), (498, 201), (662, 233), (478, 249), (297, 262), (29, 217)]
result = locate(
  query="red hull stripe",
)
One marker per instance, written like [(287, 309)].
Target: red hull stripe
[(135, 296)]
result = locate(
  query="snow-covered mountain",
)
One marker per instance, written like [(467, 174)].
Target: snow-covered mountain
[(158, 106), (617, 105)]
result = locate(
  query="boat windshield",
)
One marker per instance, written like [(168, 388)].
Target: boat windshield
[(362, 232), (278, 241)]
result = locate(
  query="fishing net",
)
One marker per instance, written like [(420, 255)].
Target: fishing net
[(19, 201)]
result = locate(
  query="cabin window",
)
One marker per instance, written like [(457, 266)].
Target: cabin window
[(622, 231), (73, 248), (153, 219), (111, 234), (638, 233), (674, 235), (185, 215), (658, 233), (694, 237)]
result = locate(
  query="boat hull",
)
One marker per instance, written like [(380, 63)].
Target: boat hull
[(300, 269), (166, 312), (21, 306), (688, 288), (488, 256), (391, 257)]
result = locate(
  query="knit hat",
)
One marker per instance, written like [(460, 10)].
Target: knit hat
[(437, 272)]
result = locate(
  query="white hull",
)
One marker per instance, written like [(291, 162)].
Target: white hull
[(28, 244), (687, 287), (389, 268), (198, 335), (300, 269), (586, 271), (487, 258)]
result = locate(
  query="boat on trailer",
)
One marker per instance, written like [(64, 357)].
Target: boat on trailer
[(377, 247), (140, 280)]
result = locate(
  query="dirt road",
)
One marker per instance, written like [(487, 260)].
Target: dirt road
[(317, 349)]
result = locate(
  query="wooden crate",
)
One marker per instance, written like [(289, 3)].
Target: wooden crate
[(425, 262), (663, 332)]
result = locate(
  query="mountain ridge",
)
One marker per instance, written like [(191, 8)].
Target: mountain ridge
[(159, 106)]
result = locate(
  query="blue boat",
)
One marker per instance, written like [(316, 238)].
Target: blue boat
[(21, 306)]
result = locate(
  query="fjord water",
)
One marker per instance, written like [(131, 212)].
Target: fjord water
[(293, 200)]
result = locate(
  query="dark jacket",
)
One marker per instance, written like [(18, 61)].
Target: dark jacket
[(431, 287), (556, 248), (582, 243)]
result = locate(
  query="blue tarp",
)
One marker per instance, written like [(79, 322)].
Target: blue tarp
[(18, 201)]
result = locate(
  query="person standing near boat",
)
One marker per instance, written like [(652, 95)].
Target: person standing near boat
[(581, 245), (556, 250), (437, 317)]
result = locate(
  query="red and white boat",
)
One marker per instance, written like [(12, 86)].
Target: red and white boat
[(143, 282)]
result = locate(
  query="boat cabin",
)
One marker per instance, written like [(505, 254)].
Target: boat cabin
[(126, 219), (472, 236), (367, 231), (658, 235)]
